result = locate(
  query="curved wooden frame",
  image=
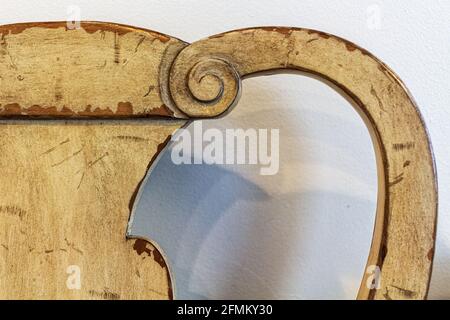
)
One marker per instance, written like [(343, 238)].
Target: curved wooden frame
[(182, 82)]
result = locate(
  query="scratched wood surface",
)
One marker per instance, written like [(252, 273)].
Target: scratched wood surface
[(67, 192), (68, 187), (97, 70), (404, 234)]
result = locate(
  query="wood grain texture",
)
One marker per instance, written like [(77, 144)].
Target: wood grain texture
[(67, 192), (205, 82), (99, 70)]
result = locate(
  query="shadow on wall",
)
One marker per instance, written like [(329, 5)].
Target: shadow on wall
[(231, 237), (181, 224), (254, 260)]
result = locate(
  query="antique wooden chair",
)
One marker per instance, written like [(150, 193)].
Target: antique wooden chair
[(86, 111)]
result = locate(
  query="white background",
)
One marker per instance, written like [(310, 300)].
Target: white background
[(304, 233)]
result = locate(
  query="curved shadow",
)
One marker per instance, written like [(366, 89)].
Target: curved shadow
[(184, 205)]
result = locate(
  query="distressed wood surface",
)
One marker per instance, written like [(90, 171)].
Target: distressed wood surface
[(205, 82), (67, 191), (68, 187), (98, 70)]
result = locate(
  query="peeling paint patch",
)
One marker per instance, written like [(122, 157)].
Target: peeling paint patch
[(282, 30), (430, 254), (321, 34), (89, 27), (140, 246), (350, 46), (162, 111), (124, 109)]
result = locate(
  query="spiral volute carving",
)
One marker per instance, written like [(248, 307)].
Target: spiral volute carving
[(203, 86)]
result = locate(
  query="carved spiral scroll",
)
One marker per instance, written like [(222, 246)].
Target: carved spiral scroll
[(204, 86)]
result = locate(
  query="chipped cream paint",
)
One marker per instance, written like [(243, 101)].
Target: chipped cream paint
[(405, 226), (76, 181), (96, 70)]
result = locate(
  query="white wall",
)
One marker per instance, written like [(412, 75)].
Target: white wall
[(304, 233)]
